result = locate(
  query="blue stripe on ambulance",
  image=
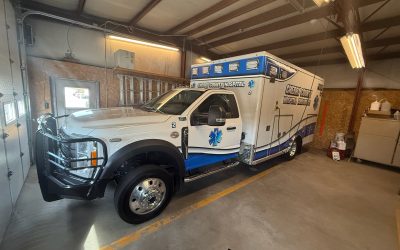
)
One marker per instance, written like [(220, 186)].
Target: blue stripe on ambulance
[(304, 132), (197, 160)]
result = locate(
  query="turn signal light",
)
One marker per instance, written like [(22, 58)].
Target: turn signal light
[(93, 156)]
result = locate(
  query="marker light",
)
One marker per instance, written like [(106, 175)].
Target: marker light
[(352, 46), (156, 45)]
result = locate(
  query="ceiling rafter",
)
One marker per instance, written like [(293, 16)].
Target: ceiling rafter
[(143, 12), (338, 49), (288, 22), (250, 22), (81, 6), (243, 10), (140, 33), (375, 11), (370, 26), (203, 14), (391, 55)]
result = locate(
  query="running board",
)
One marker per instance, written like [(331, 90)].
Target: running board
[(199, 176)]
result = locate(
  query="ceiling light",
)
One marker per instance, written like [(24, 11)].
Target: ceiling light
[(205, 59), (320, 3), (352, 46), (156, 45)]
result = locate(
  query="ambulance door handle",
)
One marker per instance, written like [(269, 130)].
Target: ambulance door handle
[(230, 128)]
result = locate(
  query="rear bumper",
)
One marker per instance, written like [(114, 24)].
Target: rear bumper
[(56, 172)]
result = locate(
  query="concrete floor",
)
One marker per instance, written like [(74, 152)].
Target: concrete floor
[(311, 202)]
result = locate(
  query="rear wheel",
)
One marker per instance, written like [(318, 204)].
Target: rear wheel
[(143, 194), (294, 149)]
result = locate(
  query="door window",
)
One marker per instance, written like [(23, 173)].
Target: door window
[(76, 98), (226, 101), (9, 112), (21, 108)]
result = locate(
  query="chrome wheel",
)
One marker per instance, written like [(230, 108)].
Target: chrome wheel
[(147, 196), (293, 149)]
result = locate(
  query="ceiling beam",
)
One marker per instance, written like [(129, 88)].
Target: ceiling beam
[(288, 22), (338, 49), (242, 10), (205, 13), (81, 6), (385, 56), (139, 33), (370, 26), (248, 23), (143, 12)]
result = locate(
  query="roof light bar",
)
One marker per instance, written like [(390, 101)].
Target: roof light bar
[(352, 46), (156, 45)]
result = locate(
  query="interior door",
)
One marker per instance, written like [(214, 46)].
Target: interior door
[(69, 95), (212, 144)]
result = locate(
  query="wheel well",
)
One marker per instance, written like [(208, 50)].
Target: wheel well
[(299, 142), (158, 158)]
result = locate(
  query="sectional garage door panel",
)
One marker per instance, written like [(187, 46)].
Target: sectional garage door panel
[(5, 193)]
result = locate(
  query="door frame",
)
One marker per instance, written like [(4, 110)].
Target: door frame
[(53, 90)]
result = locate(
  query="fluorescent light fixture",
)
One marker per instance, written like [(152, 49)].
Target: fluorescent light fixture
[(205, 59), (320, 3), (352, 46), (156, 45)]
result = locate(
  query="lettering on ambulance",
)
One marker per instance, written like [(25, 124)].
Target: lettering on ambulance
[(297, 96), (231, 84)]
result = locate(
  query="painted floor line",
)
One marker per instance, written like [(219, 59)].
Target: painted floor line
[(157, 225)]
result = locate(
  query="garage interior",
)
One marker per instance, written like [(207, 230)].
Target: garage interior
[(124, 53)]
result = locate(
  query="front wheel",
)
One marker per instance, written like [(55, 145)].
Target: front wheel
[(143, 194)]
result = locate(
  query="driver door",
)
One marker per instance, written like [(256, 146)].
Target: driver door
[(213, 144)]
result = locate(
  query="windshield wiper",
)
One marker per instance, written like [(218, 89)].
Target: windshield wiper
[(152, 109)]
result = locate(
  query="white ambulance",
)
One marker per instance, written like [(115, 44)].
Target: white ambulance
[(245, 109)]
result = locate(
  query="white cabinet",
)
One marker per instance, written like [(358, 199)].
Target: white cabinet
[(378, 141)]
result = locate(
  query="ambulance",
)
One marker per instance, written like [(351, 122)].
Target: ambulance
[(241, 110)]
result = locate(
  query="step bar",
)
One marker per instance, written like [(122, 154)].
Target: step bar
[(207, 173)]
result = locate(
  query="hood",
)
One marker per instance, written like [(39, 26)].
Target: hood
[(85, 121)]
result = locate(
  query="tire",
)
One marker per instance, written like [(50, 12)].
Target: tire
[(294, 149), (143, 193)]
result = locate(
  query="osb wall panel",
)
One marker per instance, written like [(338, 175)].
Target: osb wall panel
[(339, 106), (41, 71)]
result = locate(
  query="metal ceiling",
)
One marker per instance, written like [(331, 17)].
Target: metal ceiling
[(226, 27)]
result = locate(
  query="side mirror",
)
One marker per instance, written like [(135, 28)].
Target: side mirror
[(216, 116)]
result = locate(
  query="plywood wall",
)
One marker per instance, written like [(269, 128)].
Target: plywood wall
[(338, 103)]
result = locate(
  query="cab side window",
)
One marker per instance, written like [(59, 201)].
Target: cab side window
[(226, 101)]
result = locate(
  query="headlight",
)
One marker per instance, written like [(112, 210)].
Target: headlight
[(86, 154)]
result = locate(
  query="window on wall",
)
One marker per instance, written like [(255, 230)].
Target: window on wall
[(76, 98), (9, 112), (21, 108)]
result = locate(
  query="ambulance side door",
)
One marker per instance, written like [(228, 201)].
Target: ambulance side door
[(211, 144)]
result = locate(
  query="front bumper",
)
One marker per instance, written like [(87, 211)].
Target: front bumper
[(55, 166)]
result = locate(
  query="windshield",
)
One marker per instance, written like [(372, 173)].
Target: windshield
[(173, 102)]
